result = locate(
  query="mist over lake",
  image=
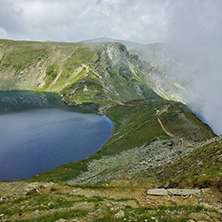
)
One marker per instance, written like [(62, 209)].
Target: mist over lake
[(35, 141)]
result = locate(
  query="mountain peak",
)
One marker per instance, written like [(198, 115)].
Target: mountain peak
[(129, 44)]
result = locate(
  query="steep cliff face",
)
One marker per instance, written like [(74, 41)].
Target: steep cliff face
[(110, 77)]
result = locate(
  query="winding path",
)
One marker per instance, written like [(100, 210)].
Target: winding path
[(164, 129)]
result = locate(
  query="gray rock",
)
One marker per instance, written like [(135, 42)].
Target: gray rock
[(205, 190), (184, 192), (120, 214), (32, 188), (49, 184), (157, 153), (157, 192)]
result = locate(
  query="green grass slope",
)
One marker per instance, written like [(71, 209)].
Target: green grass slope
[(80, 73)]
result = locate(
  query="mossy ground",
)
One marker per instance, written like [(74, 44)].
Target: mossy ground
[(102, 204)]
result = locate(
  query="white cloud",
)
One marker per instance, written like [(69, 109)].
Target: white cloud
[(141, 20), (195, 30)]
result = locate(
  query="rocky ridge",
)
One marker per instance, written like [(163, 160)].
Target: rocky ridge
[(93, 72), (150, 156)]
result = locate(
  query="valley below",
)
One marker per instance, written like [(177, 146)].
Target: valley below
[(157, 141)]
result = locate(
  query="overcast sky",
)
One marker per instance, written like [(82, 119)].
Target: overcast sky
[(74, 20), (194, 27)]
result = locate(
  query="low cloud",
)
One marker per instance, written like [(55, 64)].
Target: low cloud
[(67, 20), (195, 32)]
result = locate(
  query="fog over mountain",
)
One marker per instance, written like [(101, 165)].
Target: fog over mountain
[(193, 28), (195, 33)]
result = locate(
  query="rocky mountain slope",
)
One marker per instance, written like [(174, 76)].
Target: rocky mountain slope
[(94, 71), (78, 72), (130, 45)]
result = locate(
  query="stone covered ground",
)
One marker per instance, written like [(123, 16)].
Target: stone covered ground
[(22, 201)]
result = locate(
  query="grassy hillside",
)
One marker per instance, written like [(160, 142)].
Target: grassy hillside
[(96, 72)]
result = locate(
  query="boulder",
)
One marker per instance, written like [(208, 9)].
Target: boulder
[(184, 192), (50, 184), (32, 188), (157, 192), (120, 214)]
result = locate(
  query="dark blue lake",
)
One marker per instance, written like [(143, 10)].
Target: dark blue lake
[(35, 141)]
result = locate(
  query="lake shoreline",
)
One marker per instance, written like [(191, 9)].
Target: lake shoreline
[(15, 101), (51, 102)]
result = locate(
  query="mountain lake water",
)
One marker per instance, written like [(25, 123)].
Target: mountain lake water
[(35, 141)]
